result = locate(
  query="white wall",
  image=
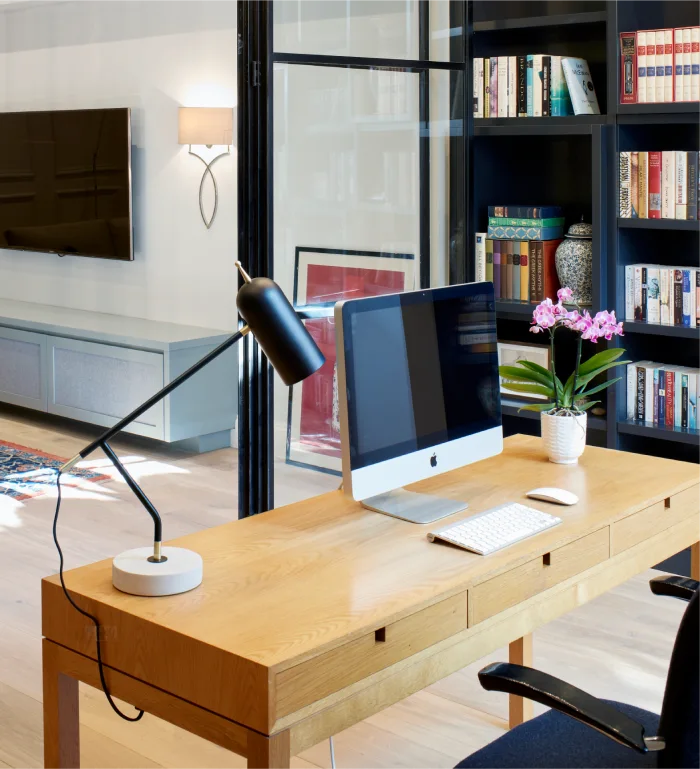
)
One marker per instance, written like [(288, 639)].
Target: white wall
[(152, 57)]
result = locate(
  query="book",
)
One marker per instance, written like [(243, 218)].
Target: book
[(525, 233), (693, 400), (509, 270), (649, 391), (681, 185), (644, 294), (642, 184), (677, 395), (642, 66), (512, 86), (625, 211), (546, 77), (638, 311), (665, 296), (629, 292), (653, 312), (480, 257), (525, 271), (651, 65), (669, 405), (695, 64), (628, 67), (487, 87), (687, 66), (668, 186), (692, 166), (528, 85), (547, 280), (654, 186), (516, 271), (631, 390), (504, 221), (668, 65), (655, 397), (661, 406), (641, 382), (525, 212), (684, 401), (537, 85), (502, 86), (522, 86), (532, 260), (489, 260), (677, 297), (678, 64), (493, 85), (504, 269), (559, 93), (478, 95), (688, 299), (659, 85), (634, 185), (497, 268), (580, 85)]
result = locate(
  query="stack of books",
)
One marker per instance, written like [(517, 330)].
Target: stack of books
[(517, 253), (535, 85), (669, 296), (660, 65), (659, 185), (662, 395)]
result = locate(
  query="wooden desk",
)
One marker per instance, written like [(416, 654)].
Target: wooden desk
[(316, 615)]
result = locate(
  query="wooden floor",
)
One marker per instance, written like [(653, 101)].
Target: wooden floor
[(617, 647)]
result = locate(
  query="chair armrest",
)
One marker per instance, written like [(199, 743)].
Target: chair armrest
[(674, 586), (567, 699)]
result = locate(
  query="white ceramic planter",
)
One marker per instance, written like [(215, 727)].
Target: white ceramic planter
[(564, 437)]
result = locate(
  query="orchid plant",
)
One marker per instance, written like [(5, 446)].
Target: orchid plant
[(572, 397)]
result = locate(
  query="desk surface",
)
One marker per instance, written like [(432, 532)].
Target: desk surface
[(300, 580)]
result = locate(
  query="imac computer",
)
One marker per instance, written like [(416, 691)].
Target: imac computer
[(418, 393)]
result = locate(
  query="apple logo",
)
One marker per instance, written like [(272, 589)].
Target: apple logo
[(433, 460)]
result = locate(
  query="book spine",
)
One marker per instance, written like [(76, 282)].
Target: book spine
[(655, 397), (661, 409), (509, 270), (631, 390), (692, 166), (653, 296), (684, 403), (688, 297), (651, 66), (649, 393), (665, 296), (659, 86), (628, 68), (529, 86), (512, 86), (641, 380), (644, 294), (678, 297), (638, 293), (487, 87), (629, 292), (668, 186), (668, 65), (634, 185), (625, 185), (504, 221), (654, 185), (489, 260), (526, 233), (642, 184), (480, 257), (687, 63), (502, 86), (522, 86), (697, 297), (525, 212), (537, 85), (695, 64), (525, 270), (668, 413), (678, 65), (693, 400), (504, 269), (677, 397), (681, 185), (546, 89), (641, 66), (539, 250), (516, 270), (532, 259), (493, 82), (497, 268), (478, 92)]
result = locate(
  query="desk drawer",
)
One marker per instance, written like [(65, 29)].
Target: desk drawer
[(637, 527), (320, 676), (535, 576)]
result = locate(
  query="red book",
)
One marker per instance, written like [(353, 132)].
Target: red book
[(670, 407), (628, 67), (654, 186), (547, 283)]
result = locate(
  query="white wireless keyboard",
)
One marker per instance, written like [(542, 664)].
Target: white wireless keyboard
[(494, 529)]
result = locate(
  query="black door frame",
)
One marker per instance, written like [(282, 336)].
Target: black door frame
[(256, 58)]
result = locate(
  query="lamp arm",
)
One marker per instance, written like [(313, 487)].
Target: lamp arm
[(173, 385)]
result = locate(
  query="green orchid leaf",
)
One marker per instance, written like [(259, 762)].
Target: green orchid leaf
[(568, 393), (598, 388), (536, 367), (586, 406), (537, 407), (519, 374), (533, 389), (583, 381), (600, 359)]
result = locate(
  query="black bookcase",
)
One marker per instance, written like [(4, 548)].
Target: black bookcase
[(573, 162)]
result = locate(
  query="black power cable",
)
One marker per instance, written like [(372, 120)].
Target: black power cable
[(85, 613)]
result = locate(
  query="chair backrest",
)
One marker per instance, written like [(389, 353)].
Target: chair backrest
[(680, 713)]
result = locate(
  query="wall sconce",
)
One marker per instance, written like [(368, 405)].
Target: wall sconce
[(209, 126)]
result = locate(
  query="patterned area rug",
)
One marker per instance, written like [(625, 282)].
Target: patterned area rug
[(27, 473)]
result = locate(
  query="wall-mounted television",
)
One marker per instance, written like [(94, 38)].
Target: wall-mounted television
[(65, 182)]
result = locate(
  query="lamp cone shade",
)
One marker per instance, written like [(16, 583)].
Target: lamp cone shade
[(205, 125), (278, 330)]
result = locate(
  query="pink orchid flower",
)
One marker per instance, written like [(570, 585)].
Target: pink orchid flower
[(565, 295)]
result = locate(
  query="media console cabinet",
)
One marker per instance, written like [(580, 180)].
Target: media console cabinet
[(96, 368)]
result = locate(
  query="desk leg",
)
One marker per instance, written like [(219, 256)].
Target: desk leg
[(268, 752), (695, 561), (61, 717), (519, 709)]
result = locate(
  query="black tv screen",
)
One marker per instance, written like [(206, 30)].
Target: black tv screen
[(65, 182)]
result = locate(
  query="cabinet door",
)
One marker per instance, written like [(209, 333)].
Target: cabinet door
[(23, 368), (101, 383)]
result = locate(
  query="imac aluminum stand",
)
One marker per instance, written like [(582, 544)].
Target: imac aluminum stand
[(413, 507)]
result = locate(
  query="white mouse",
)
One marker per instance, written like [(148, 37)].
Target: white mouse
[(557, 496)]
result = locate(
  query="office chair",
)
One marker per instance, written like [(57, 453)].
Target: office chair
[(581, 730)]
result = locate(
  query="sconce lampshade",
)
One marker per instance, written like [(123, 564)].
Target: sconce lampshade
[(205, 125)]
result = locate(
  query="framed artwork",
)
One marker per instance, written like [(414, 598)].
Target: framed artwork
[(322, 277), (509, 353)]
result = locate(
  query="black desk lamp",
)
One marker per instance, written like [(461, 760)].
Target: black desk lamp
[(295, 356)]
